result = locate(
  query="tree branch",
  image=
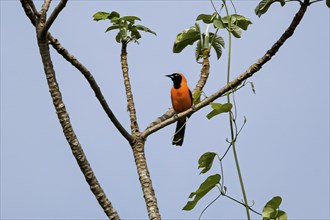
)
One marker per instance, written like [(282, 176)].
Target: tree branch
[(145, 180), (93, 84), (236, 82), (129, 94), (30, 11), (138, 145), (204, 72), (52, 17), (42, 18), (69, 133), (28, 8), (61, 112)]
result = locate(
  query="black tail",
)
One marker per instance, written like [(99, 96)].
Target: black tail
[(179, 132)]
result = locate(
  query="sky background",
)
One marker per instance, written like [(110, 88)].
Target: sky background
[(283, 149)]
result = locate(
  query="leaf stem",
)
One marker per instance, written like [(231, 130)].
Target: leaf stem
[(200, 216), (233, 141)]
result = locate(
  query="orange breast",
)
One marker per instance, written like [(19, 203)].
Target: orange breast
[(181, 99)]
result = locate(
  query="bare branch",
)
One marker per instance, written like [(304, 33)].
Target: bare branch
[(129, 94), (33, 7), (44, 10), (204, 72), (53, 16), (61, 112), (144, 177), (93, 84), (29, 10), (236, 82), (69, 133)]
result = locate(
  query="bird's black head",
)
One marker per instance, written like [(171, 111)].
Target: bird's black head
[(176, 78)]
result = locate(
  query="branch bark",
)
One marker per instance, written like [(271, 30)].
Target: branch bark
[(129, 94), (164, 121), (69, 133), (145, 180), (138, 144), (53, 16), (204, 72), (62, 114)]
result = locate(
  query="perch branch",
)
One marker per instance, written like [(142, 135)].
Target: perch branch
[(236, 82)]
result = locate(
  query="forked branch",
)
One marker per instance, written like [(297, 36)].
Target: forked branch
[(32, 14)]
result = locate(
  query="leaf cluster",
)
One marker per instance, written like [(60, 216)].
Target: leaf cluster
[(271, 210), (127, 29), (204, 41)]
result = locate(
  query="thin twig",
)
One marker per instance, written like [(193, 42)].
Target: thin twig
[(200, 216), (225, 195)]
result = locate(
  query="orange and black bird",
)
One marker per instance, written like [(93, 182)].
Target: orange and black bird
[(181, 101)]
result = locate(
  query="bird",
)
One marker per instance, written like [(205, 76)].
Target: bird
[(181, 101)]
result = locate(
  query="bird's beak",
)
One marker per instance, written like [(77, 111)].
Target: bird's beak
[(170, 76)]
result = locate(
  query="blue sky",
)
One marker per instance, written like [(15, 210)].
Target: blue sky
[(283, 149)]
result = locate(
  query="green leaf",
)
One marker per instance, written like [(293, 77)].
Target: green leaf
[(185, 38), (270, 211), (192, 195), (218, 23), (197, 97), (264, 5), (135, 34), (116, 20), (204, 188), (218, 43), (119, 37), (327, 2), (281, 215), (206, 161), (130, 19), (219, 108), (198, 51), (113, 15), (112, 28), (237, 24), (145, 29), (252, 87), (206, 18), (236, 31), (241, 21), (101, 15)]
